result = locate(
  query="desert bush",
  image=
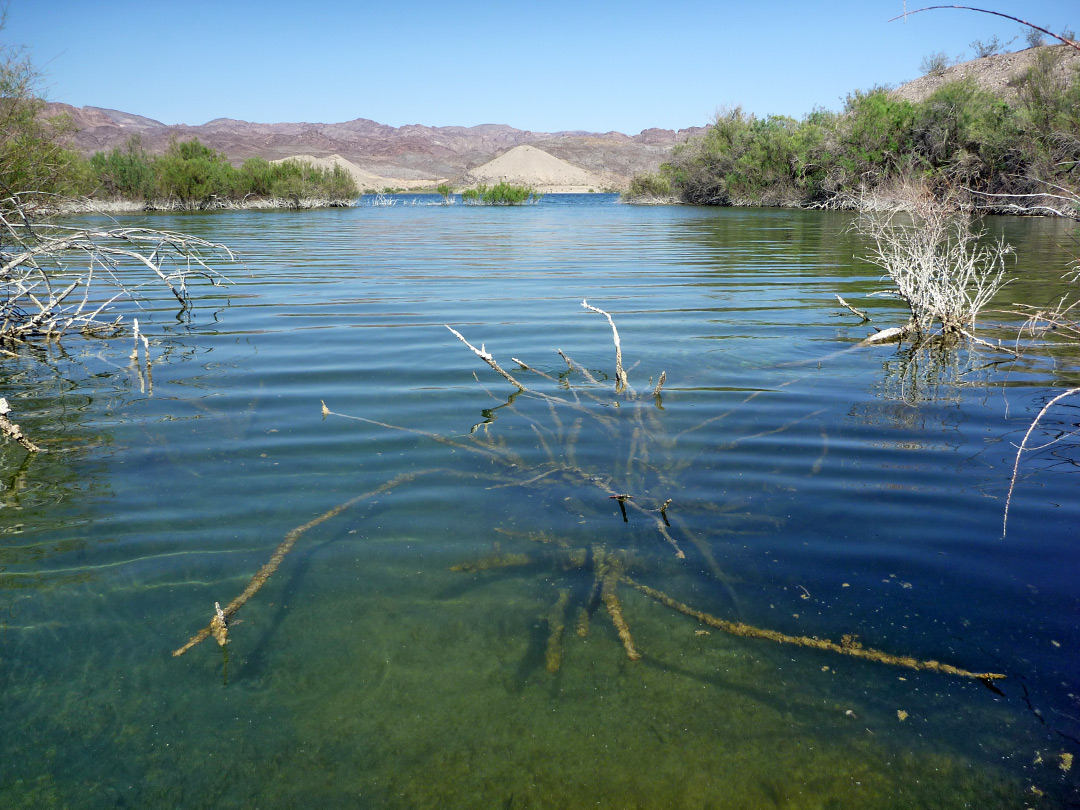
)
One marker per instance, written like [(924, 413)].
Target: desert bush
[(934, 64), (989, 47), (876, 132), (959, 138), (33, 157)]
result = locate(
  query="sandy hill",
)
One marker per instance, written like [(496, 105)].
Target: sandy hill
[(997, 74), (365, 180), (528, 166)]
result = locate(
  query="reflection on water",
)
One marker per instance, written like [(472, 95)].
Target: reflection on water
[(816, 490)]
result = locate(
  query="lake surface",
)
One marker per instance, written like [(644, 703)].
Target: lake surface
[(399, 656)]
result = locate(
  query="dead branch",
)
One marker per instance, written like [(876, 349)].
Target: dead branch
[(858, 313), (1023, 446), (221, 617), (848, 644), (35, 255), (487, 358), (1069, 42), (12, 431), (936, 262), (584, 372), (620, 375), (660, 383)]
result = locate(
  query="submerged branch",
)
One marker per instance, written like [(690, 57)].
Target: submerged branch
[(13, 431), (222, 616), (847, 646)]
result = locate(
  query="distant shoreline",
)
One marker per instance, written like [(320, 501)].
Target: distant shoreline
[(93, 206)]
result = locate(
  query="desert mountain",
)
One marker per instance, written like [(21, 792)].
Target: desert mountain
[(400, 156)]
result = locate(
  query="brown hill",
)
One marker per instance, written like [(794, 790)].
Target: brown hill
[(405, 156)]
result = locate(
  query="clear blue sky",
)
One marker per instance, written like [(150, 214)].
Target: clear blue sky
[(544, 66)]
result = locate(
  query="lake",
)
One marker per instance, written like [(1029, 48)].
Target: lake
[(454, 624)]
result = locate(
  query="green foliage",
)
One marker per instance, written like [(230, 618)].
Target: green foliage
[(876, 133), (33, 159), (649, 185), (445, 189), (501, 193), (959, 138), (128, 173), (197, 176), (192, 173)]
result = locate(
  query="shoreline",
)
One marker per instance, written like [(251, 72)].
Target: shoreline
[(92, 206)]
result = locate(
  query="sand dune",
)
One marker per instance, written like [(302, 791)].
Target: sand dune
[(364, 179), (522, 165), (528, 166)]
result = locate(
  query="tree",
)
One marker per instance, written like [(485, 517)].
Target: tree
[(59, 279), (32, 154), (193, 173)]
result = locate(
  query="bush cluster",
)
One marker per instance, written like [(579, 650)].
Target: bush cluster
[(194, 174), (500, 194), (961, 137)]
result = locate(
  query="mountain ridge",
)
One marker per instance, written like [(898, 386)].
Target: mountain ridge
[(410, 155)]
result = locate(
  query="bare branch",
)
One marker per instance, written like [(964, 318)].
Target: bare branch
[(1071, 43), (487, 358), (1023, 446), (620, 375)]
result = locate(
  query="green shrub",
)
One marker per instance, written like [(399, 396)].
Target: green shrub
[(128, 173), (501, 193), (650, 184), (960, 138), (193, 173)]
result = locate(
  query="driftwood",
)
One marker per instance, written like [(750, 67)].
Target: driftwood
[(13, 431), (55, 279)]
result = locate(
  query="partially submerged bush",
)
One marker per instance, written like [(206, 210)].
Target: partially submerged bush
[(943, 269), (500, 194)]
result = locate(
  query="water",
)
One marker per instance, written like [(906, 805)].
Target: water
[(817, 489)]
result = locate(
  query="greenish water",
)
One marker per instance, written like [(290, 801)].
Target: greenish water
[(817, 490)]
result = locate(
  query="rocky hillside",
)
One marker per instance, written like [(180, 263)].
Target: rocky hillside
[(996, 74), (408, 155)]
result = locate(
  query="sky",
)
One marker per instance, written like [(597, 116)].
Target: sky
[(538, 65)]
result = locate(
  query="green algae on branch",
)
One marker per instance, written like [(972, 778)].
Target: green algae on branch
[(848, 644)]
